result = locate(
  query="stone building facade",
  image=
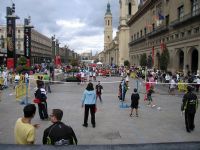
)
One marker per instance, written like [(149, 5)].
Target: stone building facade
[(171, 23), (40, 44), (127, 9)]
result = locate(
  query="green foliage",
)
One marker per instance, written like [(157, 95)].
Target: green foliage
[(21, 65), (143, 60), (21, 60), (127, 63), (74, 62), (164, 59)]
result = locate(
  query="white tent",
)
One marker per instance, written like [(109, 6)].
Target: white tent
[(99, 63)]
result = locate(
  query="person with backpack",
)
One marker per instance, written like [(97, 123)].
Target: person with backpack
[(40, 96), (59, 133)]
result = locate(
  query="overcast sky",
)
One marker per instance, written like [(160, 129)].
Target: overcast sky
[(76, 23)]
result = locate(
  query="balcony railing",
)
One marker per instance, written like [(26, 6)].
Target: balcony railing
[(186, 18), (158, 31), (141, 39)]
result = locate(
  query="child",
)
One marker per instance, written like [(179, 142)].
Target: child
[(149, 98), (134, 102)]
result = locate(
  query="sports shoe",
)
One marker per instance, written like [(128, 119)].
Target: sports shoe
[(153, 105), (130, 115), (85, 125)]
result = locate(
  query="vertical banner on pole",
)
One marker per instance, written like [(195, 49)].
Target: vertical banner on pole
[(27, 41), (10, 41)]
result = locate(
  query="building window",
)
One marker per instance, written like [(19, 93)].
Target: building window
[(129, 9), (153, 26), (137, 35), (167, 38), (145, 31), (134, 36), (189, 32), (140, 33), (108, 22), (131, 38), (172, 37), (194, 7), (176, 35), (196, 30), (18, 31), (180, 12), (167, 20), (182, 34)]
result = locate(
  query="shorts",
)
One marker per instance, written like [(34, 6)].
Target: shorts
[(149, 98), (134, 106)]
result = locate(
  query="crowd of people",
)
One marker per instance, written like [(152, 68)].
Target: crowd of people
[(61, 134)]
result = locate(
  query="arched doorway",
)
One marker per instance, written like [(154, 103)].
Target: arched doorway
[(194, 61), (181, 60), (158, 60)]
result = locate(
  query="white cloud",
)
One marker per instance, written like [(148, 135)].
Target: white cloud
[(70, 23)]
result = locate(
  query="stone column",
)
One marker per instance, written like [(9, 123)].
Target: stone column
[(198, 49), (186, 65)]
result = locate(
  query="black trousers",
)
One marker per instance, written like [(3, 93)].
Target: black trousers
[(189, 121), (92, 112), (42, 108), (99, 96)]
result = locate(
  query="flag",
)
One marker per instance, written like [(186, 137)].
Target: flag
[(160, 16)]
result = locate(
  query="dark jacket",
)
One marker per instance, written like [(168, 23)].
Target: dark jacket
[(40, 94), (190, 102), (59, 132), (98, 88), (135, 98)]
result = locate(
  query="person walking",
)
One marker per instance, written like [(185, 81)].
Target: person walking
[(135, 97), (59, 133), (99, 89), (24, 131), (189, 107), (40, 94), (89, 101)]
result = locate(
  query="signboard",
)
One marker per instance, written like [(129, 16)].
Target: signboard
[(27, 42)]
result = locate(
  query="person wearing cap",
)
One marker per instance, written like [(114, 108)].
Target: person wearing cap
[(189, 107), (135, 97)]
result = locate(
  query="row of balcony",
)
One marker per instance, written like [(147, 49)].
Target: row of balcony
[(186, 18)]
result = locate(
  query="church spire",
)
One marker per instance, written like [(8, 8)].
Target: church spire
[(108, 11)]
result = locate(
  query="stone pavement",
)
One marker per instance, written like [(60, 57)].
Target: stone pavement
[(113, 124)]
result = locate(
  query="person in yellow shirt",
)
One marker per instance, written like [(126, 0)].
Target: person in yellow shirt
[(24, 131)]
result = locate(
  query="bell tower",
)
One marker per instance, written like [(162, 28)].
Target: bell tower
[(127, 9), (108, 29)]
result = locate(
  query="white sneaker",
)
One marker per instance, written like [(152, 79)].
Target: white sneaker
[(153, 105)]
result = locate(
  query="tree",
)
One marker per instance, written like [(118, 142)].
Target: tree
[(149, 62), (21, 65), (164, 59), (74, 62), (143, 60), (127, 63)]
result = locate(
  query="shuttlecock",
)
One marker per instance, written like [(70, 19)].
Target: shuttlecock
[(159, 108)]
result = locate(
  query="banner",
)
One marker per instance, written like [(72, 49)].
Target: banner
[(20, 91), (11, 42), (27, 42)]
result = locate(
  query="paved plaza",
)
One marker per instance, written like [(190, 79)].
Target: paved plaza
[(113, 124)]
